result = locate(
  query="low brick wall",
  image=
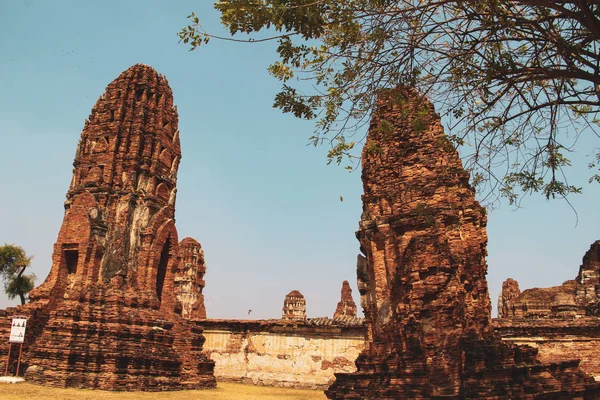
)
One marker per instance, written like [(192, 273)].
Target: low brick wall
[(307, 354), (556, 339), (283, 353)]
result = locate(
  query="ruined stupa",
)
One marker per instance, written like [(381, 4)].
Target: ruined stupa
[(189, 280), (506, 300), (422, 277), (105, 316), (294, 306), (575, 298), (346, 307)]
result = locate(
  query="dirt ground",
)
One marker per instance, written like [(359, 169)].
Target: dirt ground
[(224, 391)]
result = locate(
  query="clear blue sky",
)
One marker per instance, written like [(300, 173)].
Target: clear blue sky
[(264, 206)]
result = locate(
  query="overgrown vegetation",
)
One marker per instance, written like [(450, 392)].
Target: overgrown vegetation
[(13, 263)]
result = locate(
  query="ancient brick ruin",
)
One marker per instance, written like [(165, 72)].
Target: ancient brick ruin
[(588, 281), (189, 280), (510, 292), (105, 317), (422, 278), (561, 321), (276, 352), (573, 299), (294, 306), (556, 339), (118, 308), (346, 306)]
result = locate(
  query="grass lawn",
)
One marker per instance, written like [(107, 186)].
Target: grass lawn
[(224, 391)]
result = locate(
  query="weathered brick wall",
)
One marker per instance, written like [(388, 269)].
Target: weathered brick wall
[(557, 340), (276, 353), (280, 353), (577, 297)]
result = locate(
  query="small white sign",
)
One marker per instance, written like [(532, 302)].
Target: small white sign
[(17, 330)]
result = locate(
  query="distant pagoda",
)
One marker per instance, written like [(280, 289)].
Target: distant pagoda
[(346, 306), (294, 307)]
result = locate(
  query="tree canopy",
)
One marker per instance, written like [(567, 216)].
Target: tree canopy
[(517, 82), (13, 263)]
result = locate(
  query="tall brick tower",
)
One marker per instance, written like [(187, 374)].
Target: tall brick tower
[(105, 315), (346, 307), (119, 227), (422, 278)]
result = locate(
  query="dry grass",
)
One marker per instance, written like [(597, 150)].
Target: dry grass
[(224, 391)]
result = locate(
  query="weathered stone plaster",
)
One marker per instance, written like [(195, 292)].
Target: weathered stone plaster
[(278, 353)]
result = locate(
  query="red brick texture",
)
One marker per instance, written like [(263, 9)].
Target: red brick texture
[(189, 280), (105, 316), (346, 306), (422, 278), (574, 299)]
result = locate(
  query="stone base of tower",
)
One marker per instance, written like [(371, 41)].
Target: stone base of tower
[(117, 341), (490, 369)]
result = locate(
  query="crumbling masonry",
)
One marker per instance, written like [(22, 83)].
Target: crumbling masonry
[(294, 306), (575, 298), (422, 277), (346, 306), (105, 317), (189, 280)]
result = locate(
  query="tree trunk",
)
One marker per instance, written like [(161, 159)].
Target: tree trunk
[(21, 294)]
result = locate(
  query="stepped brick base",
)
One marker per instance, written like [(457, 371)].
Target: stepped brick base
[(115, 341), (491, 370)]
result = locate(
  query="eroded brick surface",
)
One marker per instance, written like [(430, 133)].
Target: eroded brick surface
[(573, 299), (556, 339), (422, 277), (105, 315), (561, 322), (506, 300), (189, 280)]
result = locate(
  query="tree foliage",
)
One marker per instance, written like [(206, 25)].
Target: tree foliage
[(13, 263), (517, 82)]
